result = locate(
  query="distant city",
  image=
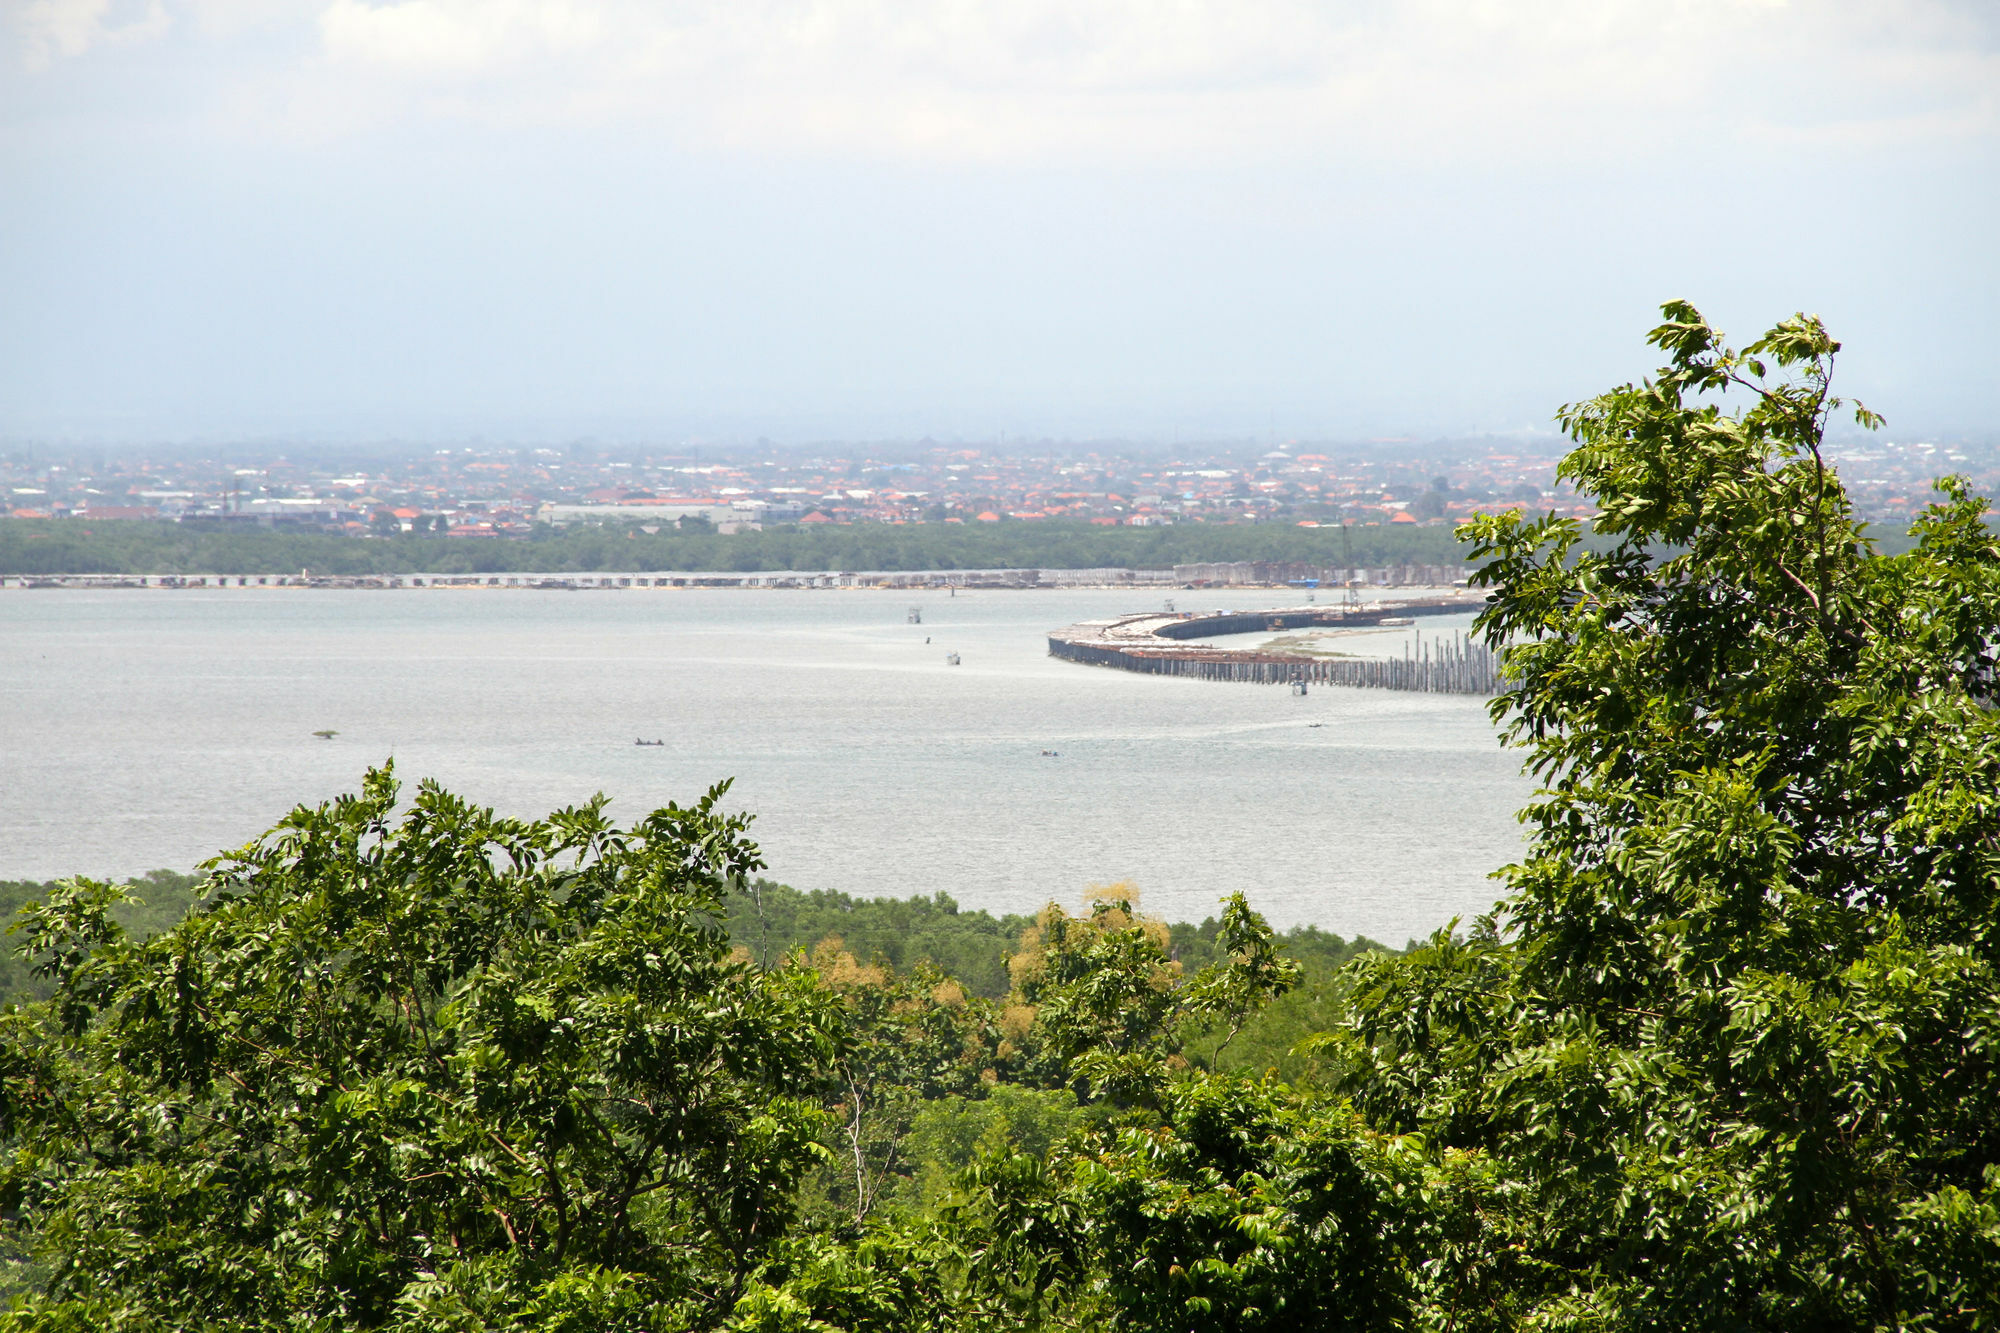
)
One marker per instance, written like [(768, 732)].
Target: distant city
[(498, 492)]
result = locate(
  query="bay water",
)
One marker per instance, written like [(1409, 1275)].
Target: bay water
[(143, 729)]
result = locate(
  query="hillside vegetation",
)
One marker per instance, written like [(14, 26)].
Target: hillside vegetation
[(774, 923)]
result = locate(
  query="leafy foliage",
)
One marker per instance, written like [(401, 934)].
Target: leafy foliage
[(1737, 1045), (439, 1071), (972, 946), (1098, 997), (150, 904), (917, 1037), (1245, 1208), (772, 920)]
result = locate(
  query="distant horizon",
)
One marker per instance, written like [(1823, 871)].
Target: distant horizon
[(430, 220), (693, 445), (851, 430), (1541, 443)]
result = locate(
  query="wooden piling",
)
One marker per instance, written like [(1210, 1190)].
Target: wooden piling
[(1458, 665)]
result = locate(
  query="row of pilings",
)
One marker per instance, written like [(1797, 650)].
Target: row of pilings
[(1448, 666)]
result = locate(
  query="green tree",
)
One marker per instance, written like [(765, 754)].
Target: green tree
[(1244, 1207), (1732, 1040), (152, 903), (434, 1069), (1229, 1205), (1099, 998), (913, 1038), (772, 920)]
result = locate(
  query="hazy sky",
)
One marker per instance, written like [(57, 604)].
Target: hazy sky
[(539, 219)]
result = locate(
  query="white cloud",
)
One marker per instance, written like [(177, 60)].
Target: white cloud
[(431, 37), (65, 28), (1084, 79), (1168, 78)]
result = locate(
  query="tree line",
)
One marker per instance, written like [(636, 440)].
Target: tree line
[(81, 546), (770, 923), (1723, 1057)]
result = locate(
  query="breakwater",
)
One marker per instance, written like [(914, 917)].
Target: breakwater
[(1156, 643)]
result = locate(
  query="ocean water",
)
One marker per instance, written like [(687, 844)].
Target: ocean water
[(141, 729)]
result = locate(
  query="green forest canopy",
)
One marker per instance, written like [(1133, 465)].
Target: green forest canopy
[(1726, 1057), (767, 919)]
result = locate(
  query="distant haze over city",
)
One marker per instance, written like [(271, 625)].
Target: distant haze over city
[(482, 222), (515, 491)]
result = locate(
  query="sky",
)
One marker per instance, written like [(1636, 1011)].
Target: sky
[(540, 220)]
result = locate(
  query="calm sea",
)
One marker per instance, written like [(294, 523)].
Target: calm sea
[(146, 728)]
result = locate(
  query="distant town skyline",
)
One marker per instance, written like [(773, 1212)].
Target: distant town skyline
[(509, 491), (431, 220)]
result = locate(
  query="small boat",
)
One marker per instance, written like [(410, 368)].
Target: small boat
[(1397, 620)]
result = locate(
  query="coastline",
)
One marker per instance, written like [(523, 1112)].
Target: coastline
[(656, 580)]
